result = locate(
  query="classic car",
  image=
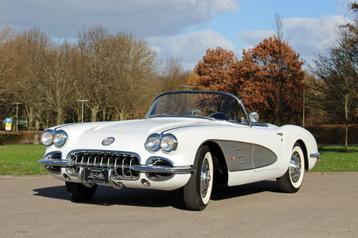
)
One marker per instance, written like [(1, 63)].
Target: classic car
[(189, 140)]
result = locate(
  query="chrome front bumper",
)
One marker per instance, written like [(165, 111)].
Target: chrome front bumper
[(139, 168)]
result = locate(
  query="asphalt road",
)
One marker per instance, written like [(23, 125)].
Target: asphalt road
[(38, 206)]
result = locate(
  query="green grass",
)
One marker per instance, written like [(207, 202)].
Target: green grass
[(336, 159), (22, 159)]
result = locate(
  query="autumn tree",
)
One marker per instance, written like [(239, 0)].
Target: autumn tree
[(173, 76), (313, 112), (7, 69), (59, 84), (115, 74), (338, 70), (216, 71), (272, 80), (31, 57)]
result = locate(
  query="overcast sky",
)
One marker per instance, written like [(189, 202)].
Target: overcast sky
[(184, 29)]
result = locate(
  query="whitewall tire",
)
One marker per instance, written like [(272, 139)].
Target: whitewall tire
[(292, 180), (197, 191)]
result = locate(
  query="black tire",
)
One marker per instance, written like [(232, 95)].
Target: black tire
[(79, 192), (194, 198), (289, 183)]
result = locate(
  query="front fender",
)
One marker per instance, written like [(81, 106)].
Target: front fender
[(293, 134)]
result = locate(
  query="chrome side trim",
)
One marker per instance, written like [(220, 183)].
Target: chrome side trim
[(315, 155), (163, 169)]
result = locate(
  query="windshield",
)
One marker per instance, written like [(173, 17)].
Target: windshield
[(211, 105)]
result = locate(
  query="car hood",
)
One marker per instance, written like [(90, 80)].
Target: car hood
[(129, 135), (134, 127)]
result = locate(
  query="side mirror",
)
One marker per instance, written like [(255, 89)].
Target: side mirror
[(254, 116)]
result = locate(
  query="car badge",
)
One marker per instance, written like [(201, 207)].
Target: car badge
[(108, 141)]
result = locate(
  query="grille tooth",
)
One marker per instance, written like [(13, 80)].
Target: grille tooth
[(130, 165), (82, 158), (123, 166), (120, 162)]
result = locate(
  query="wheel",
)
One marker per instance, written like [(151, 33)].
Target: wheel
[(292, 180), (197, 191), (79, 192)]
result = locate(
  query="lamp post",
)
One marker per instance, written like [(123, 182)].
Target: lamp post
[(82, 101)]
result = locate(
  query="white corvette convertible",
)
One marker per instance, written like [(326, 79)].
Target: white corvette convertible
[(189, 140)]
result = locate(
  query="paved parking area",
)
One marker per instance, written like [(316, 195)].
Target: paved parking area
[(38, 206)]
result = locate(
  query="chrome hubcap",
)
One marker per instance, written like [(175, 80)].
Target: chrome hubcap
[(205, 177), (295, 167)]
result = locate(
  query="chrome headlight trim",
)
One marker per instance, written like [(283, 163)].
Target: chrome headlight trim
[(169, 143), (60, 138), (47, 137), (152, 144)]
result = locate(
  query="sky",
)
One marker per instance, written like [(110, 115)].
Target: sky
[(184, 29)]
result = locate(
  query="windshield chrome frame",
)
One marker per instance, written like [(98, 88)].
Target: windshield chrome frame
[(238, 99)]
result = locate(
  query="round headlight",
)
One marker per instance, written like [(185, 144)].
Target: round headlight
[(59, 139), (47, 137), (153, 143), (169, 143)]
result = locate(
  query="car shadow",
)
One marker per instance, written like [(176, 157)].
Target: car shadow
[(108, 196), (225, 192)]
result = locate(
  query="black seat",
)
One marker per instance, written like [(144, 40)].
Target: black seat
[(218, 116)]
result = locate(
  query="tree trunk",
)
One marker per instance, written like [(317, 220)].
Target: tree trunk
[(59, 113), (346, 122), (30, 116), (104, 115), (94, 111), (37, 129), (346, 138), (281, 104), (303, 108)]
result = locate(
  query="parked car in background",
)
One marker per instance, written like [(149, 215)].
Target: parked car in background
[(189, 140)]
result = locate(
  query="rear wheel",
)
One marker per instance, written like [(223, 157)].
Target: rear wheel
[(197, 191), (79, 192), (292, 180)]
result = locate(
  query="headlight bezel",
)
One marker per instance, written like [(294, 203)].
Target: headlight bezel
[(150, 139), (62, 137), (50, 133), (161, 139), (170, 140)]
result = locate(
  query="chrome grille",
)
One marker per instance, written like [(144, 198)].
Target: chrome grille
[(119, 162)]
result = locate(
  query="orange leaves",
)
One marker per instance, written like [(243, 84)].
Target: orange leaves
[(216, 71), (269, 78), (273, 80)]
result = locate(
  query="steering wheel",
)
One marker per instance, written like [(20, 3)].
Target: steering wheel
[(218, 116)]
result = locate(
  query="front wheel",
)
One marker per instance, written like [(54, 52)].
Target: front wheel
[(197, 191), (292, 180), (79, 192)]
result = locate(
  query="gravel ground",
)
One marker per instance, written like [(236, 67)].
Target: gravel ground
[(38, 206)]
